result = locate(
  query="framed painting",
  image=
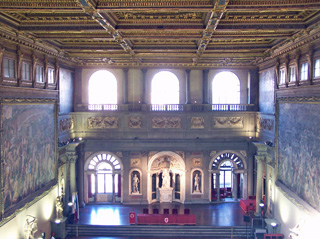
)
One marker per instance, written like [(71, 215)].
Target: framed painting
[(298, 149), (28, 151)]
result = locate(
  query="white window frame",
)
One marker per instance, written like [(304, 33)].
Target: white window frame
[(9, 68), (39, 74), (25, 71), (51, 76), (282, 77), (317, 68), (304, 70), (293, 75)]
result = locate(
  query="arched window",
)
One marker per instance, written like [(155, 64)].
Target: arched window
[(226, 88), (102, 90), (164, 90), (103, 170), (226, 174)]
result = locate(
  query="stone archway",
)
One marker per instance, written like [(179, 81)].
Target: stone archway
[(239, 175), (166, 178)]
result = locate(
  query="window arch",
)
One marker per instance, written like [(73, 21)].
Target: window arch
[(103, 172), (226, 88), (165, 88), (102, 88)]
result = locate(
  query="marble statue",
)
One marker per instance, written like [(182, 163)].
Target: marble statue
[(135, 184), (197, 183), (165, 179), (30, 227)]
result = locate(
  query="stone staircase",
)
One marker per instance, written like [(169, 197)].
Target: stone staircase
[(158, 231)]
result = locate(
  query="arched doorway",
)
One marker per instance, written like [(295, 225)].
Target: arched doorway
[(103, 178), (228, 176), (166, 178)]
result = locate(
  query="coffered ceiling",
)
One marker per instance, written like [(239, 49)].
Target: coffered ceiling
[(163, 32)]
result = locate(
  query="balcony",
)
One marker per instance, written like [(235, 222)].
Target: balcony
[(177, 121), (165, 107)]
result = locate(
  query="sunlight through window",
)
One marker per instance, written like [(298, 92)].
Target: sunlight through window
[(102, 88), (165, 88), (226, 88)]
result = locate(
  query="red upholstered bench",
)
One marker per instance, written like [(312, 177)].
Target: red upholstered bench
[(273, 236)]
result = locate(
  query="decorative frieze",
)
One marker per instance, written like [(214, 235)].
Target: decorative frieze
[(135, 122), (66, 124), (165, 161), (166, 122), (197, 162), (135, 163), (228, 122), (197, 123), (265, 124), (103, 122)]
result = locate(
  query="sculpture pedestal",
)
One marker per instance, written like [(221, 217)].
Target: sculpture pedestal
[(59, 229), (165, 194)]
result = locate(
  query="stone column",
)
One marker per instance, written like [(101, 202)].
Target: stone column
[(125, 86), (218, 186), (210, 185), (144, 87), (205, 87), (113, 189), (235, 186), (73, 184), (250, 173), (188, 100), (259, 183)]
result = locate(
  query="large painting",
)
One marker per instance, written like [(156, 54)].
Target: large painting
[(299, 162), (27, 150)]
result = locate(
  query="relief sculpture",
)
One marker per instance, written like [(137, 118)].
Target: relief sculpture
[(66, 124), (135, 122), (228, 122), (265, 124), (166, 122), (197, 123), (103, 122)]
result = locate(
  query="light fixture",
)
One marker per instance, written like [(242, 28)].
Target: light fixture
[(80, 138), (261, 204), (57, 221), (70, 204), (274, 226)]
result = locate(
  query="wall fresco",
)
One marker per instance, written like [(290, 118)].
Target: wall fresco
[(28, 150), (299, 162)]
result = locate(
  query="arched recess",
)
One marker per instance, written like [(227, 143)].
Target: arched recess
[(228, 162), (196, 181), (135, 182), (103, 178), (173, 165)]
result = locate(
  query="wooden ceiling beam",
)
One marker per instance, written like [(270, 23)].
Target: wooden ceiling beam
[(213, 21), (89, 8)]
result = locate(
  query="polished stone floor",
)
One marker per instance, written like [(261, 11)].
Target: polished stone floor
[(220, 214)]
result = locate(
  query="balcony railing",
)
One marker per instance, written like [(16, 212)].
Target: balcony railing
[(166, 107), (173, 107), (108, 107), (230, 107)]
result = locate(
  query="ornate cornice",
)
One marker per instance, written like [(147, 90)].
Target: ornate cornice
[(299, 99)]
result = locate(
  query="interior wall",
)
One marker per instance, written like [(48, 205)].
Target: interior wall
[(266, 91), (43, 210), (66, 91), (296, 218)]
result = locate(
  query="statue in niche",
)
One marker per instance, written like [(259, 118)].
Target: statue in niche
[(135, 183), (59, 208), (197, 182), (165, 179)]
